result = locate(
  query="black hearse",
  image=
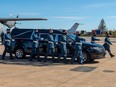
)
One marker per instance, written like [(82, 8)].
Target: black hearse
[(23, 43)]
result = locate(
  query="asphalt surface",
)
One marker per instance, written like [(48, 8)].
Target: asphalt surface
[(22, 73)]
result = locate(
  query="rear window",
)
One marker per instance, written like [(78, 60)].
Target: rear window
[(21, 33)]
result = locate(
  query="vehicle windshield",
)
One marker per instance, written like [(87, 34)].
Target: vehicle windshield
[(73, 37)]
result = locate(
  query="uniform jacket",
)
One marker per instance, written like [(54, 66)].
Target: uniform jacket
[(35, 39), (8, 39), (78, 44), (2, 35), (93, 39), (50, 41), (63, 42), (107, 43)]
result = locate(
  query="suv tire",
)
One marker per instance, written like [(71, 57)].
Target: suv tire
[(86, 57), (19, 53)]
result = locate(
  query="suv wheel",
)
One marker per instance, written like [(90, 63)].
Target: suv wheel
[(86, 57), (19, 53)]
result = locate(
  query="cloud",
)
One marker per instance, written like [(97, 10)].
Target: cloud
[(99, 5), (111, 17), (69, 17)]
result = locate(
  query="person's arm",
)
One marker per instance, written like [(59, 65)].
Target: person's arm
[(36, 37), (96, 39), (108, 40)]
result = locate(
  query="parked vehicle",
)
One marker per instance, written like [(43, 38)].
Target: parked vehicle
[(23, 44)]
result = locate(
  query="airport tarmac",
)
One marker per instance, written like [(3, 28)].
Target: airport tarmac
[(22, 73)]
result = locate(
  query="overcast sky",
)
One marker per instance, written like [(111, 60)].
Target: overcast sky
[(61, 13)]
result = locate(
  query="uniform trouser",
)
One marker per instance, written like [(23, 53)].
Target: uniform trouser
[(49, 51), (78, 54), (34, 51), (109, 51), (107, 48), (63, 54), (9, 48)]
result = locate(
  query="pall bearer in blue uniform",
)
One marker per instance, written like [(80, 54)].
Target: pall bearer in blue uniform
[(7, 44), (93, 38), (107, 45), (50, 46), (63, 46), (35, 45), (78, 49)]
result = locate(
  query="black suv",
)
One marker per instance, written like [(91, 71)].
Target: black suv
[(23, 44)]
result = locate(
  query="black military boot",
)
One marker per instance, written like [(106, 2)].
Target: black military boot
[(112, 55)]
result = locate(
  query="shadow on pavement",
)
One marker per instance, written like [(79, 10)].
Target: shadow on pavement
[(84, 69), (36, 63), (93, 62)]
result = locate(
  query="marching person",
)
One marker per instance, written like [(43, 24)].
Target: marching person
[(7, 44), (63, 43), (35, 46), (50, 46), (93, 38), (78, 49), (107, 45)]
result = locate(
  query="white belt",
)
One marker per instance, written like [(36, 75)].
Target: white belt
[(63, 42), (50, 42), (78, 43), (7, 40), (35, 41)]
